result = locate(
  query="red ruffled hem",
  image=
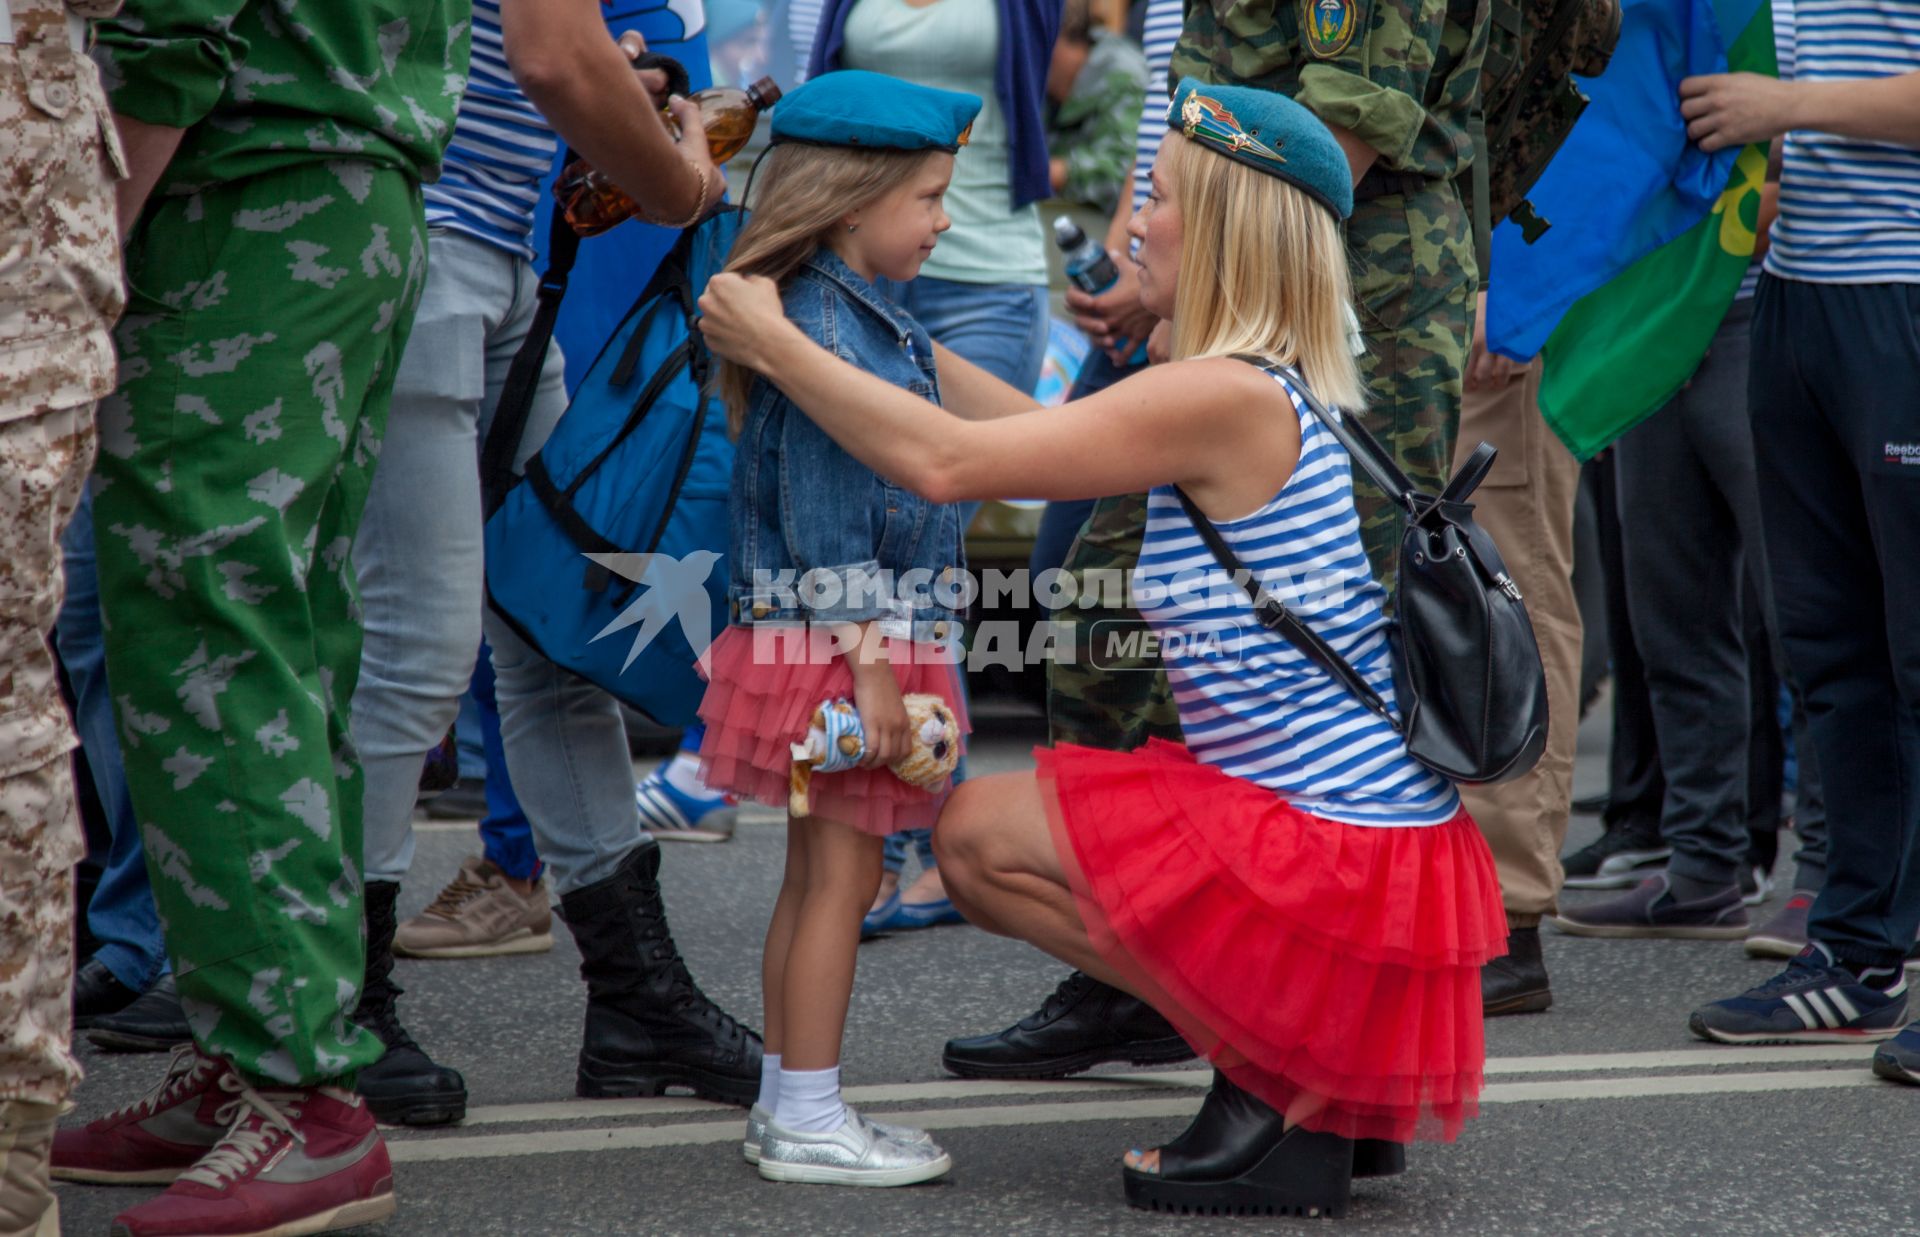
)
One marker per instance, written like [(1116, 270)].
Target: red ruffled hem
[(1331, 969), (764, 684)]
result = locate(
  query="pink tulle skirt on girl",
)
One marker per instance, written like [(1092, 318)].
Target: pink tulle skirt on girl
[(763, 685)]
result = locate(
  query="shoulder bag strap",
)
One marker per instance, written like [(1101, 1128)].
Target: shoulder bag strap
[(1276, 618), (523, 376), (1367, 453)]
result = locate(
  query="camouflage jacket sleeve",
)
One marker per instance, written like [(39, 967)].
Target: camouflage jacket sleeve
[(1364, 65), (1374, 81), (167, 61)]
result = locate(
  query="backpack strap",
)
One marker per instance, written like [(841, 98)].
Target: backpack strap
[(523, 376), (1270, 610), (1367, 453), (1276, 618), (1482, 193)]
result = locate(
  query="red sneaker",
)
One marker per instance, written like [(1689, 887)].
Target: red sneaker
[(153, 1139), (305, 1160)]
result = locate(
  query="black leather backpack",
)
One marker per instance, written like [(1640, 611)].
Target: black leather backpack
[(1466, 670)]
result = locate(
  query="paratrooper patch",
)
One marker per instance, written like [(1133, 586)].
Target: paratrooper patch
[(1330, 25)]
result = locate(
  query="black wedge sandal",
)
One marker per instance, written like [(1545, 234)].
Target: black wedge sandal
[(1238, 1158)]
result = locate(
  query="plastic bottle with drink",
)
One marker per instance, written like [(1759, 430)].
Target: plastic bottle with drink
[(591, 201), (1091, 269)]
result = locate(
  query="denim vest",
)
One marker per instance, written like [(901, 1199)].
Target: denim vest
[(817, 536)]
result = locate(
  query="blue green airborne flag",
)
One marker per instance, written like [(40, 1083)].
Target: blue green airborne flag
[(1623, 350)]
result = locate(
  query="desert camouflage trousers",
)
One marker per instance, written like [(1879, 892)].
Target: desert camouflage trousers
[(44, 461), (1414, 279), (264, 328)]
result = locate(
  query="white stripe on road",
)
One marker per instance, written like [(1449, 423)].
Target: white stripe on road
[(1087, 1085), (1685, 1058), (417, 1150)]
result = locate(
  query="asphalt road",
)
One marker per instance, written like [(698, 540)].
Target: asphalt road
[(1601, 1116)]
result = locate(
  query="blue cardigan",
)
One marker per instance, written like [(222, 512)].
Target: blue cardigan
[(1027, 31)]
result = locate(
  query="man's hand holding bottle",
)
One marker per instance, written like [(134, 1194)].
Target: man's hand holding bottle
[(1114, 319)]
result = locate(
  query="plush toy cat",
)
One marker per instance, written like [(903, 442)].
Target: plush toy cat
[(836, 741)]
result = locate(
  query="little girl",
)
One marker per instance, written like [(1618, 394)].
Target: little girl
[(825, 559)]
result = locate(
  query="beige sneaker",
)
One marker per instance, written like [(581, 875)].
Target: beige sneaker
[(478, 915), (27, 1202)]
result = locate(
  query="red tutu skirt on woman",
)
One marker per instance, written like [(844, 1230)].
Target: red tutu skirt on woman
[(1333, 970), (763, 685)]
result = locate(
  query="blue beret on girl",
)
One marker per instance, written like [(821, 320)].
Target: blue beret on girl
[(871, 111), (1267, 131)]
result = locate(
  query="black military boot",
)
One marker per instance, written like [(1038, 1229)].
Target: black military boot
[(649, 1026), (154, 1023), (1083, 1024), (404, 1087), (1516, 983)]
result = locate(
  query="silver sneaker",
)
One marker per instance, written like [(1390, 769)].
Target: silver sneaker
[(758, 1117), (854, 1154)]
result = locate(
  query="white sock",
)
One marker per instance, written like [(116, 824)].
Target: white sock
[(683, 774), (769, 1082), (810, 1101)]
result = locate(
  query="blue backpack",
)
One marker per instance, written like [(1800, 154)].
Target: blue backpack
[(609, 554)]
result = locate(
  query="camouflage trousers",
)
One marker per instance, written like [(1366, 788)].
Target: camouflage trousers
[(1414, 280), (44, 460), (264, 329), (1106, 694)]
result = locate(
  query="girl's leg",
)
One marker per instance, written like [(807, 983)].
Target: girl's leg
[(773, 958), (842, 870), (998, 859)]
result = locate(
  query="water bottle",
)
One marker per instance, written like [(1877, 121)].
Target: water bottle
[(1089, 265)]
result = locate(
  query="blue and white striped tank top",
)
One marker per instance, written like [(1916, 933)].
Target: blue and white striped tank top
[(1251, 704)]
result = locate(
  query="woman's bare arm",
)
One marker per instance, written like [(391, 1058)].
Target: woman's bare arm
[(1194, 423), (968, 391)]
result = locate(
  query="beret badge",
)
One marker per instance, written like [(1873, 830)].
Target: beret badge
[(1207, 121)]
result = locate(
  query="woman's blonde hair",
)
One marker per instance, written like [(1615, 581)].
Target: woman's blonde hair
[(1263, 269), (800, 194)]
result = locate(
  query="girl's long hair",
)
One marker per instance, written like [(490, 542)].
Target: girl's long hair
[(800, 194), (1263, 269)]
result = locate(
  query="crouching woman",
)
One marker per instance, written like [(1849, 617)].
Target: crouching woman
[(1305, 902)]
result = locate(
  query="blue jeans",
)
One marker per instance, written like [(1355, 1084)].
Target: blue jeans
[(506, 837), (421, 565), (1002, 328), (121, 914)]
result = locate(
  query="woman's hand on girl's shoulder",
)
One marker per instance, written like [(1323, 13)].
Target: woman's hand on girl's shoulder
[(740, 315)]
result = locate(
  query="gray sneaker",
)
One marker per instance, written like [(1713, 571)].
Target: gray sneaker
[(757, 1118), (1785, 935), (854, 1154), (1651, 910)]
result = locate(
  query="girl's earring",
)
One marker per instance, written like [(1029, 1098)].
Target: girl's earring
[(853, 227)]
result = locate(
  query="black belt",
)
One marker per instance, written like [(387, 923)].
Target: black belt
[(1380, 183)]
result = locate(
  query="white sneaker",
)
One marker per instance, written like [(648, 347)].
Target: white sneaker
[(855, 1154)]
